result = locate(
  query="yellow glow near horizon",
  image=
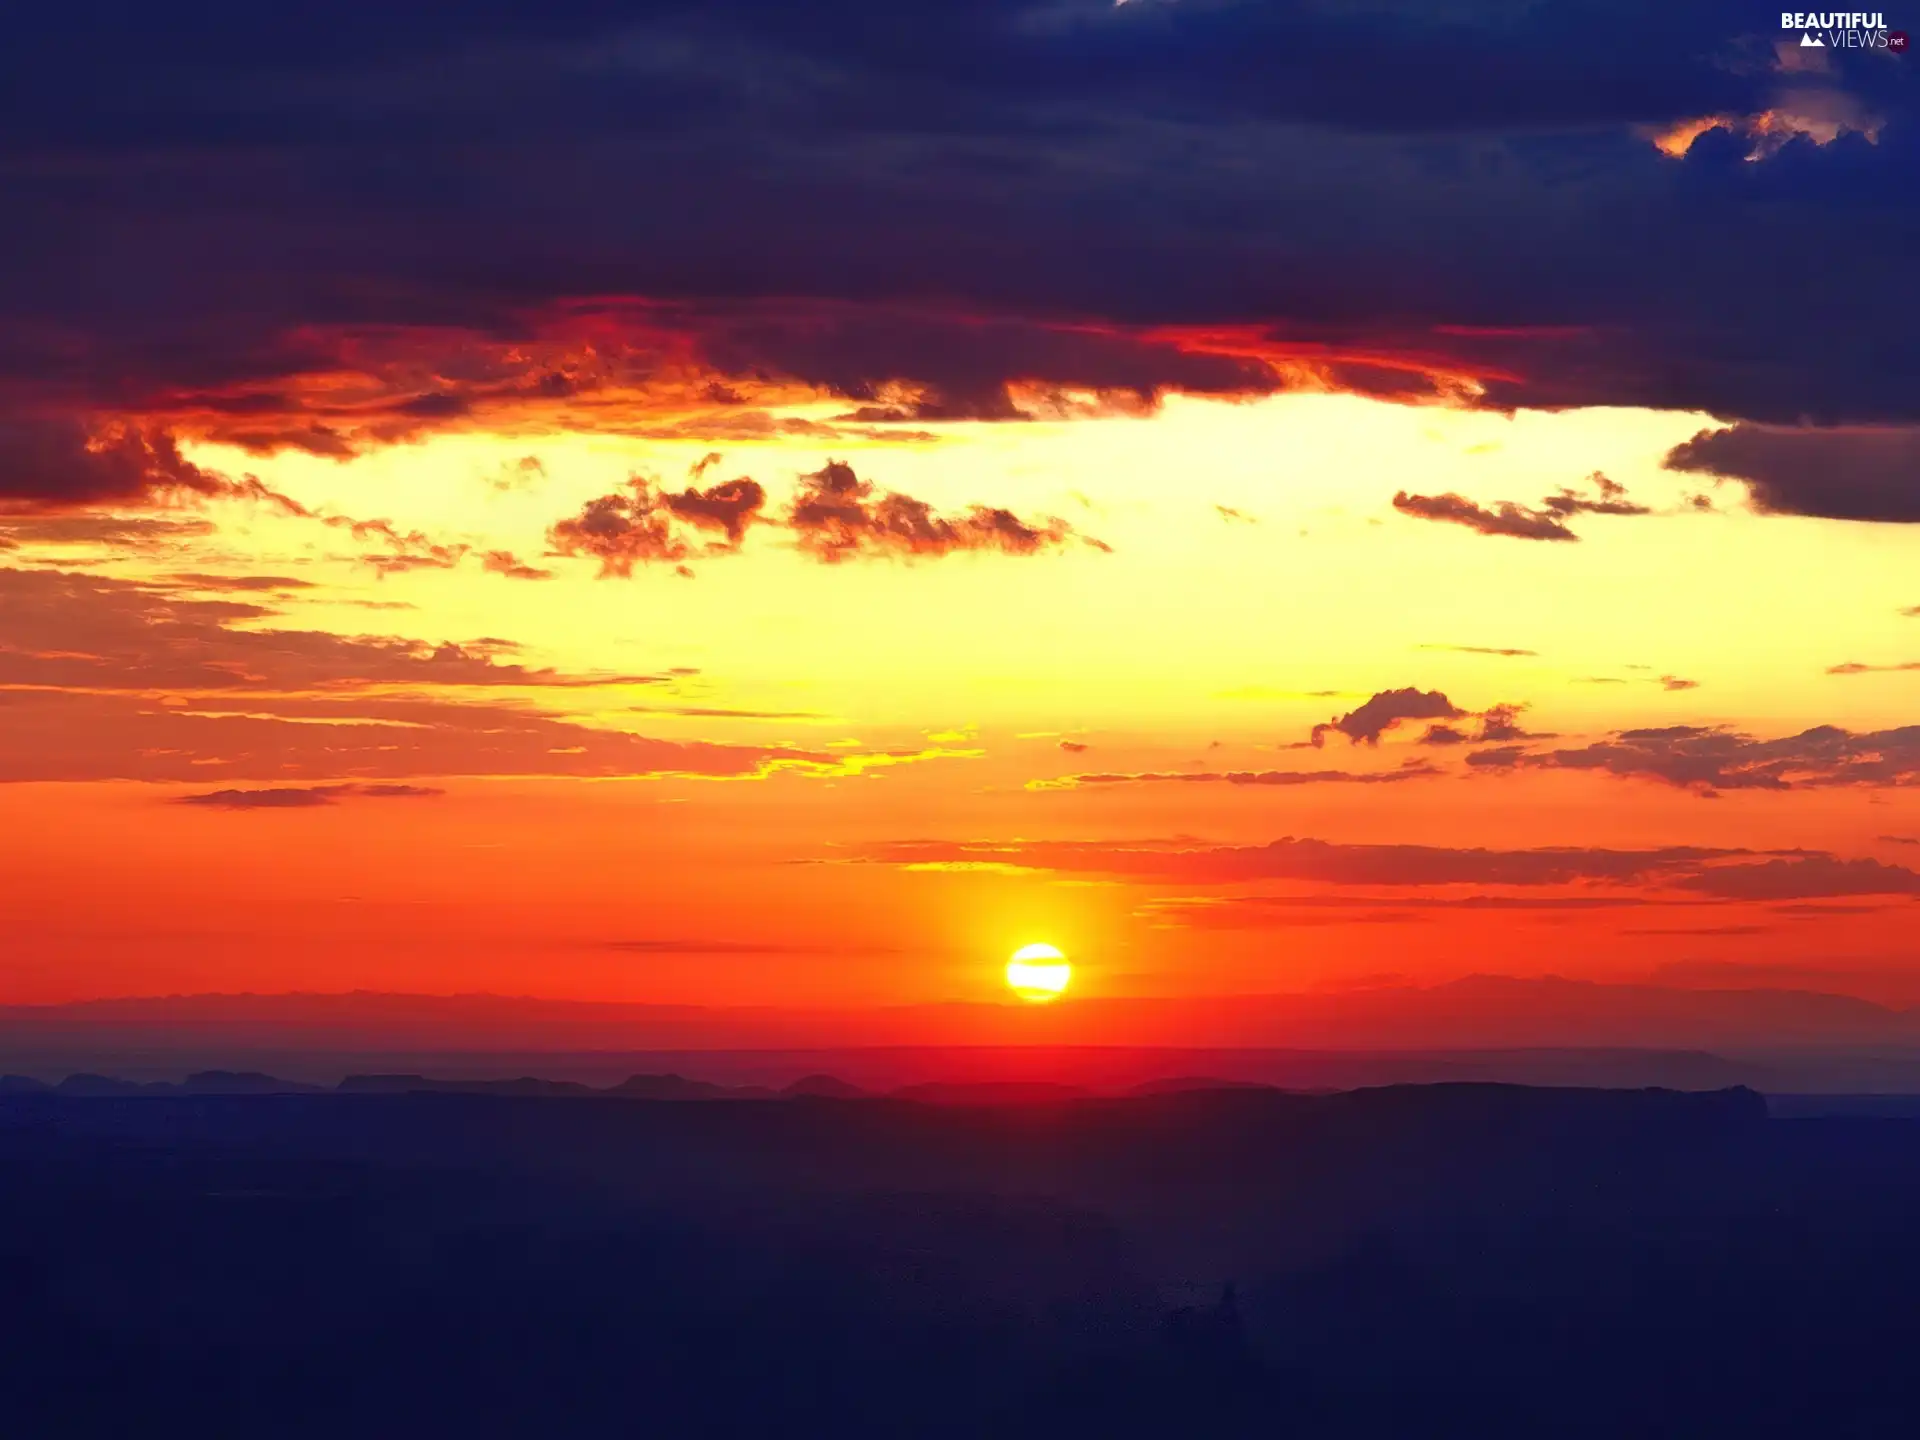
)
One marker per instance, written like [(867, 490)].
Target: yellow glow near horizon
[(1038, 973)]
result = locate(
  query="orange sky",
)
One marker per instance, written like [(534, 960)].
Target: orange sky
[(253, 746)]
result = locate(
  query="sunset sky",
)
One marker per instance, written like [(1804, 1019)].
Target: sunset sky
[(748, 505)]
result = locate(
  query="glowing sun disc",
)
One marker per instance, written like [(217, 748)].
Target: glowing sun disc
[(1038, 973)]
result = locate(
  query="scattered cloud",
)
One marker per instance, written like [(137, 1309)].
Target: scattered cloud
[(305, 797), (1669, 875), (130, 533), (1318, 861), (1503, 518), (1240, 777), (1856, 667), (1545, 521), (1480, 650), (1802, 877), (1700, 930), (1499, 723), (1385, 710), (520, 474), (709, 712), (836, 515), (1260, 912), (645, 524), (692, 946), (1711, 759), (195, 580), (505, 562)]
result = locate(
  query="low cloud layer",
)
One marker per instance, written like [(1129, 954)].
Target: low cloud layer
[(1258, 778), (1709, 760), (1713, 872), (108, 679), (305, 797)]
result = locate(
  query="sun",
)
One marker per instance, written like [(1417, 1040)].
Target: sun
[(1038, 973)]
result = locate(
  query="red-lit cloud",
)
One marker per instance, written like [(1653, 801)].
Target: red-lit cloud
[(833, 516)]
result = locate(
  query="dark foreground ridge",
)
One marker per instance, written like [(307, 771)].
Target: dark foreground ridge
[(1461, 1260)]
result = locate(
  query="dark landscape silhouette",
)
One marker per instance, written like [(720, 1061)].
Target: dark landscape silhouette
[(400, 1256)]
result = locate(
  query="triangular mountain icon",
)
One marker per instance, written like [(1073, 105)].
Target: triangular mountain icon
[(1809, 41)]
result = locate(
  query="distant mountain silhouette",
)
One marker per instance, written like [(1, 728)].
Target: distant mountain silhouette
[(243, 1082), (1178, 1084), (1474, 1013), (108, 1085), (988, 1092), (403, 1084), (679, 1087), (827, 1087)]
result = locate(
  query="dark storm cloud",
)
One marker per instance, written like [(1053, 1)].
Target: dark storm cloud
[(57, 463), (1834, 474), (965, 363), (949, 209)]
